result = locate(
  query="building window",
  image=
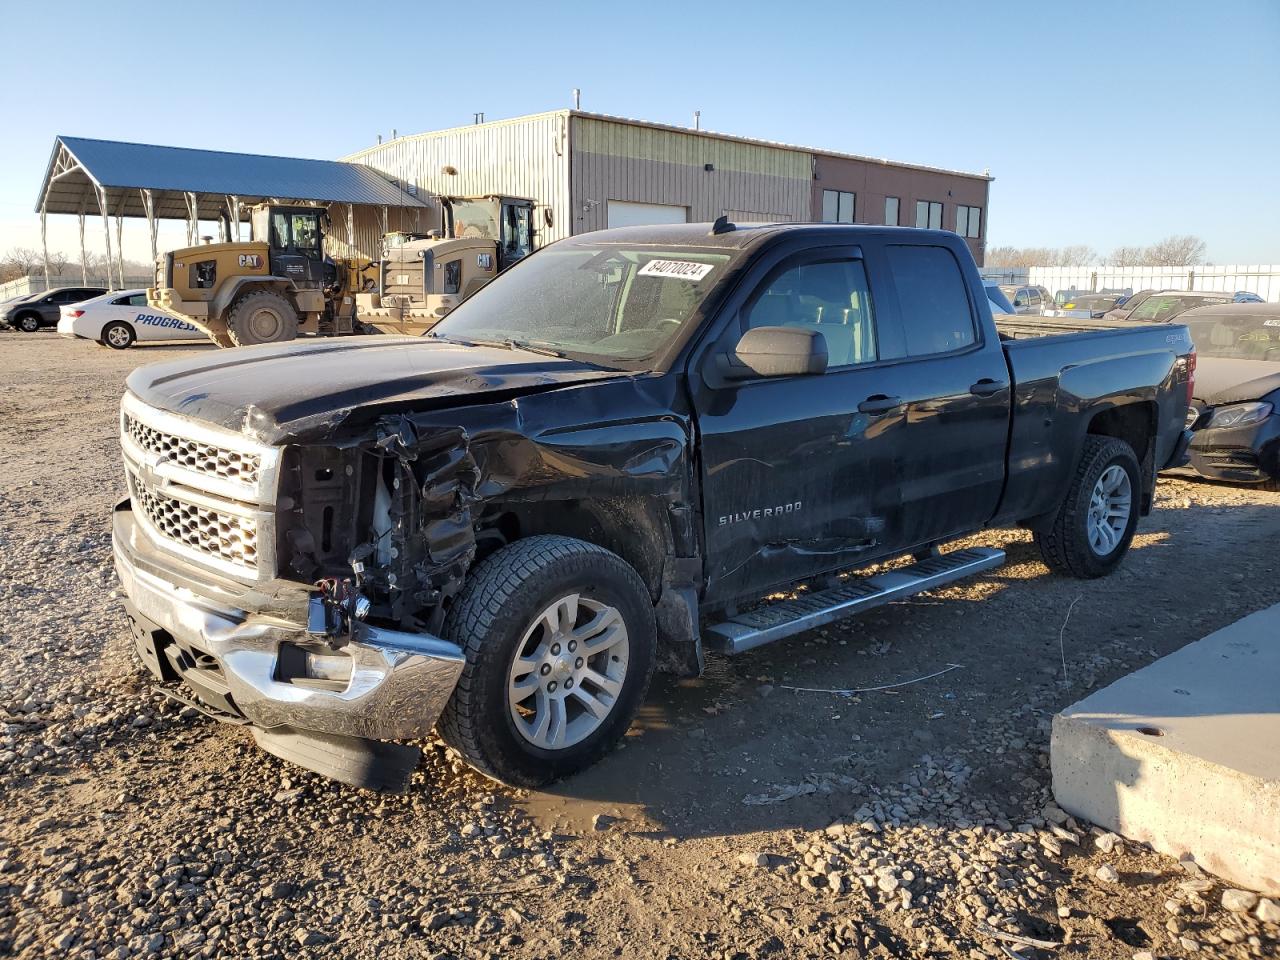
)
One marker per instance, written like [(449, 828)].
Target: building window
[(969, 221), (929, 214), (891, 211), (837, 206)]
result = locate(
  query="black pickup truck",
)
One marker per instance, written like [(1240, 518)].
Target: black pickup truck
[(603, 462)]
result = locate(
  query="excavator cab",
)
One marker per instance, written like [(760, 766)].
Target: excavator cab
[(295, 242), (506, 220)]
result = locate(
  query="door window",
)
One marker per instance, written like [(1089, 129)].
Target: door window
[(932, 299), (830, 297), (453, 276), (306, 231), (280, 231), (516, 232)]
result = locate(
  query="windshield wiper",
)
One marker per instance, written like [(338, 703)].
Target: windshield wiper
[(509, 343)]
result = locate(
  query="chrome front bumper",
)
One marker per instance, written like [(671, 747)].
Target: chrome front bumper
[(380, 685)]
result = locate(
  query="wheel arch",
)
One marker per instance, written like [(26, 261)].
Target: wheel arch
[(1135, 424), (236, 287), (634, 528)]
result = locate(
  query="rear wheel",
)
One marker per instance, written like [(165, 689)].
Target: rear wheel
[(28, 323), (262, 316), (559, 638), (118, 335), (1094, 525)]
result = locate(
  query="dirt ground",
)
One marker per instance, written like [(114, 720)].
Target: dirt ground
[(743, 818)]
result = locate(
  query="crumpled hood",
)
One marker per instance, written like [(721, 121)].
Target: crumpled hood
[(1223, 380), (287, 392)]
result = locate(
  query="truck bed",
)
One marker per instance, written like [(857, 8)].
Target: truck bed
[(1063, 372), (1025, 327)]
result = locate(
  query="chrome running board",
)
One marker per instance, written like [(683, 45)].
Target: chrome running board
[(774, 621)]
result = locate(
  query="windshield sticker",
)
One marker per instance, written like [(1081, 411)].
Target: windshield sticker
[(679, 269)]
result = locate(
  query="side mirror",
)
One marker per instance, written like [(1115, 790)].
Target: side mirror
[(1017, 301), (775, 352)]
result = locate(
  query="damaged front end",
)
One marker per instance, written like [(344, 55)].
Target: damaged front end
[(272, 583), (309, 600)]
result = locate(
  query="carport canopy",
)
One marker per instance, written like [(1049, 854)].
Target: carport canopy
[(113, 178)]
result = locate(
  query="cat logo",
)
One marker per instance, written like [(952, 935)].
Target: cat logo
[(251, 260), (484, 261)]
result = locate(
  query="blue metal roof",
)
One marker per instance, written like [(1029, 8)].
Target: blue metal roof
[(131, 167)]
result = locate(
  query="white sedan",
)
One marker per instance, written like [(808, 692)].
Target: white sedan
[(121, 318)]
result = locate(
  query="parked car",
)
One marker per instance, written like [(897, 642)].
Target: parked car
[(607, 457), (122, 317), (1236, 408), (1000, 304), (1086, 305), (1169, 304), (1244, 296), (1126, 305), (1026, 298), (37, 310)]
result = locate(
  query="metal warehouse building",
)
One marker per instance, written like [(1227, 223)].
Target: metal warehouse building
[(588, 171)]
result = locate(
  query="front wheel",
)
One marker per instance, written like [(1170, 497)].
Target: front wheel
[(118, 335), (559, 639), (1094, 525), (261, 316), (28, 324)]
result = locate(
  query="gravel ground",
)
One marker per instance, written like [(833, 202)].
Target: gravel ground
[(742, 818)]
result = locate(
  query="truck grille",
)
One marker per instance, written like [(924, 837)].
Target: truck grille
[(201, 492), (231, 538), (205, 458)]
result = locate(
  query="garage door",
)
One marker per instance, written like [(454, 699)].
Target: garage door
[(624, 213)]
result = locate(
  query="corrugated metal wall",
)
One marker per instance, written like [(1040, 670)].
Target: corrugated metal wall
[(369, 229), (524, 157), (623, 161)]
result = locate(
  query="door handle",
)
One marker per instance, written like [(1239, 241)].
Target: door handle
[(879, 404), (986, 387)]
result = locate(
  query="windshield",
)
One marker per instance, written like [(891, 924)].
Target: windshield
[(590, 301), (1160, 307), (1236, 338)]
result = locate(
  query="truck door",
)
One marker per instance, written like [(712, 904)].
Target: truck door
[(954, 389), (799, 474)]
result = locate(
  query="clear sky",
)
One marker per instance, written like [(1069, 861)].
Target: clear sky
[(1105, 124)]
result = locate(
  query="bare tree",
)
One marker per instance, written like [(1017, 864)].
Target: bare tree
[(57, 261), (23, 258), (1126, 257), (1077, 255), (1176, 251)]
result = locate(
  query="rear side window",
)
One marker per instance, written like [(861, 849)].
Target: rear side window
[(932, 298)]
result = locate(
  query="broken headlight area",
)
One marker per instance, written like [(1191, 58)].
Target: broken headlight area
[(389, 517)]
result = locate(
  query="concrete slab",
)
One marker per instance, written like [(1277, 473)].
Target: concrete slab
[(1184, 754)]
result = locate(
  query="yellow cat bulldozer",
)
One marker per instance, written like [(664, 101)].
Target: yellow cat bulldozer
[(422, 276), (268, 290)]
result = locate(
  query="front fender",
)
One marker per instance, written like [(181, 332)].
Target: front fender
[(230, 291)]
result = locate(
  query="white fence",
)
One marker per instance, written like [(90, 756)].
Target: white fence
[(25, 285), (1262, 279)]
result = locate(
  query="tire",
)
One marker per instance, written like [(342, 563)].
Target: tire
[(28, 323), (498, 615), (118, 335), (1075, 543), (262, 316)]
